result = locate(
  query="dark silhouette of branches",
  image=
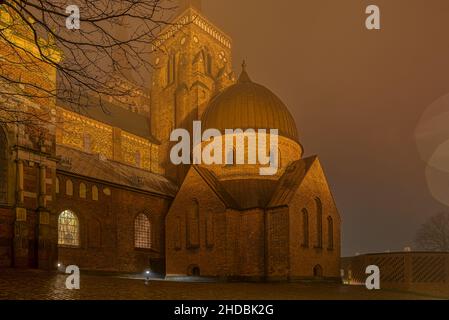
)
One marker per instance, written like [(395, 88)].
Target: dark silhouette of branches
[(433, 235), (107, 57)]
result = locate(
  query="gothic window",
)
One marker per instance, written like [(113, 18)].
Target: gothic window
[(319, 223), (3, 167), (193, 225), (171, 69), (330, 233), (68, 229), (210, 232), (94, 193), (178, 226), (107, 191), (305, 228), (142, 232), (69, 187), (82, 191)]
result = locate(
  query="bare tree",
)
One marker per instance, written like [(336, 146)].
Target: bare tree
[(115, 41), (433, 235)]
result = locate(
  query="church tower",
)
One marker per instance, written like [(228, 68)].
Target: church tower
[(192, 60)]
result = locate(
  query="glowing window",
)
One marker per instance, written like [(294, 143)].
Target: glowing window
[(68, 229), (69, 188), (82, 191), (142, 232), (94, 193)]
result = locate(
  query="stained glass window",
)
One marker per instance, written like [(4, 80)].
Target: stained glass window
[(142, 232), (68, 229)]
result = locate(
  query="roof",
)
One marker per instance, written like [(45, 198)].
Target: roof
[(290, 181), (115, 116), (91, 166), (247, 194), (248, 105), (210, 178)]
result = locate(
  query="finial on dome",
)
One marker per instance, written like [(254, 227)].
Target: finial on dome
[(244, 77)]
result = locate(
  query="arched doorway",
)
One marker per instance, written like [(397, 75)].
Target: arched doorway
[(318, 271)]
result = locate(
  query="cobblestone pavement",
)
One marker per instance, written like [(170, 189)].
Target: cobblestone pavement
[(40, 285)]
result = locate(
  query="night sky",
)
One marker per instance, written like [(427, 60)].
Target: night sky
[(358, 97)]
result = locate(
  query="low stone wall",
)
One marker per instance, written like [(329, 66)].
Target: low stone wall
[(422, 272)]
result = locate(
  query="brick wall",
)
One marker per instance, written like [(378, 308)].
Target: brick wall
[(111, 246)]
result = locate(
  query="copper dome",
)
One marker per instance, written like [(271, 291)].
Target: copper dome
[(248, 105)]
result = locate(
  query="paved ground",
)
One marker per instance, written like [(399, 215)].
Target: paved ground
[(33, 284)]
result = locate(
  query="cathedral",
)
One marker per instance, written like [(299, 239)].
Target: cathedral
[(98, 189)]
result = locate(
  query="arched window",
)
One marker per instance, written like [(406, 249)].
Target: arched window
[(171, 69), (69, 187), (3, 167), (193, 225), (82, 190), (319, 223), (330, 233), (305, 228), (94, 193), (68, 229), (142, 232)]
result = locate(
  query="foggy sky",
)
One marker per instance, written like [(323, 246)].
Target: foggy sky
[(356, 96)]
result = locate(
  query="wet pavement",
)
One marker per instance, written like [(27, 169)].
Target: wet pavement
[(41, 285)]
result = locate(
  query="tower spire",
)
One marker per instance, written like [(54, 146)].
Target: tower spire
[(185, 4), (244, 77)]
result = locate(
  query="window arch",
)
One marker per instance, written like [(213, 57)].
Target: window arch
[(319, 223), (94, 193), (82, 191), (69, 187), (330, 233), (142, 232), (305, 228), (3, 166), (68, 229), (193, 225)]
